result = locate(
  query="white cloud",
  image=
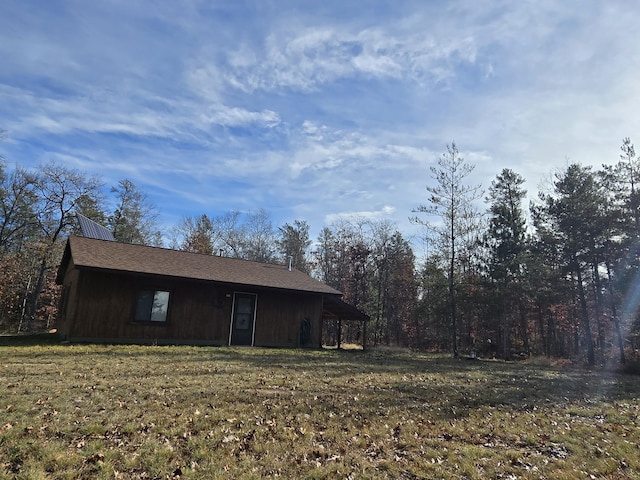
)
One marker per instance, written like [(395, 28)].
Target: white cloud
[(306, 59), (385, 212), (307, 112), (234, 117)]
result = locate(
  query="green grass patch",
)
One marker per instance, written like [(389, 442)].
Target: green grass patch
[(148, 412)]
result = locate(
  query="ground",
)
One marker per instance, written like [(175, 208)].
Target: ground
[(99, 411)]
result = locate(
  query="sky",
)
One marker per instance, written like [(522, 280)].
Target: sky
[(317, 111)]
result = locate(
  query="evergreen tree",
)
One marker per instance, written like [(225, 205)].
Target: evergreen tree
[(198, 235), (134, 218), (506, 241), (294, 243), (451, 201), (572, 215)]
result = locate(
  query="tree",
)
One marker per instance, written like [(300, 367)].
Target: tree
[(382, 330), (249, 236), (344, 261), (328, 258), (432, 322), (134, 218), (229, 239), (621, 249), (294, 243), (573, 217), (197, 235), (629, 172), (506, 241), (549, 290), (339, 246), (397, 279), (12, 290), (18, 205), (59, 190), (259, 242), (451, 201)]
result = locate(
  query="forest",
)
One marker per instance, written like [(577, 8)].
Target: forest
[(557, 277)]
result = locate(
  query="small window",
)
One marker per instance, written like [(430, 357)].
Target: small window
[(152, 306)]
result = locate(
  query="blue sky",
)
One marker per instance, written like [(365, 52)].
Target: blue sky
[(314, 110)]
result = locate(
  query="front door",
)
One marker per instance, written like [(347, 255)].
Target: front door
[(243, 319)]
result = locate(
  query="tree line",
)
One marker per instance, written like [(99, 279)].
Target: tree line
[(558, 277), (563, 285)]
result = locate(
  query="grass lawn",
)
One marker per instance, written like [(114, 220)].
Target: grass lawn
[(101, 411)]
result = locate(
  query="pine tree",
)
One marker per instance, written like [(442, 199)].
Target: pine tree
[(506, 241), (451, 201)]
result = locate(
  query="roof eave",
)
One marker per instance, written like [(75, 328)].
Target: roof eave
[(200, 280)]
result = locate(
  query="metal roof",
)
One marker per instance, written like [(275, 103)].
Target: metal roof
[(91, 229)]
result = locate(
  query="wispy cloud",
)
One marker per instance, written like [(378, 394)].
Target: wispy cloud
[(308, 59), (314, 110), (385, 212)]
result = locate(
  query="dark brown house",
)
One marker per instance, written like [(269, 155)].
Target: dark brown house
[(117, 292)]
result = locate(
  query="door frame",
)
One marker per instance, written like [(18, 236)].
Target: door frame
[(253, 320)]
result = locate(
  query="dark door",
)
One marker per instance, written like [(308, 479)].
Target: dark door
[(243, 319)]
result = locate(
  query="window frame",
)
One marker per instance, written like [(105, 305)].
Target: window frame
[(254, 320), (148, 320)]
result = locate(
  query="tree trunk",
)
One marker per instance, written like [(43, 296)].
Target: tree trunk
[(452, 300), (523, 326), (584, 315), (598, 311), (543, 336), (506, 336), (32, 304), (614, 315)]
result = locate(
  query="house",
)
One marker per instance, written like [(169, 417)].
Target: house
[(122, 293)]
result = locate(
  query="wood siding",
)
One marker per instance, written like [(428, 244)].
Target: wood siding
[(100, 306), (280, 316), (68, 301)]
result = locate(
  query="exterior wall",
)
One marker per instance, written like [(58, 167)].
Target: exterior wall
[(279, 318), (101, 307), (68, 301)]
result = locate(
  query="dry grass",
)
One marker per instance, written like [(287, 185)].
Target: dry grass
[(88, 411)]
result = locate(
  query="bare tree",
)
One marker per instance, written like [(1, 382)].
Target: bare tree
[(59, 190), (18, 209), (259, 242), (229, 236)]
